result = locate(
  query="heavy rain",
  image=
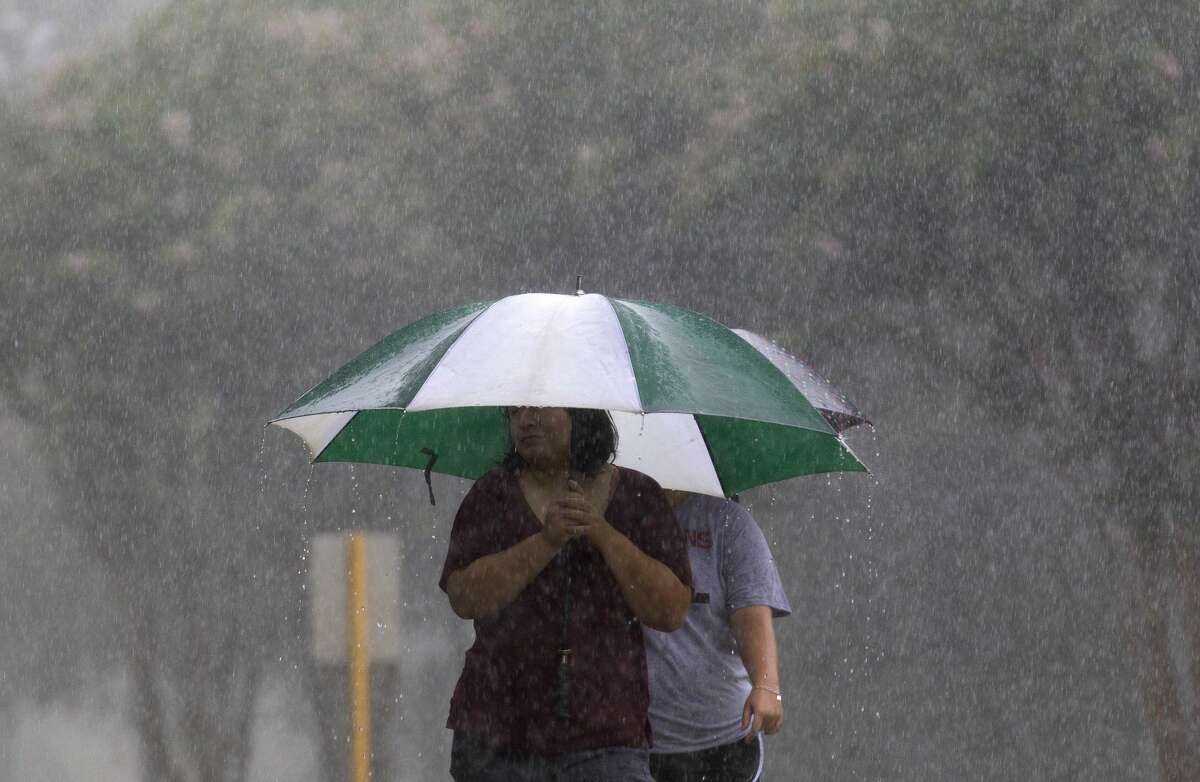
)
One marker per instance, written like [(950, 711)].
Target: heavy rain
[(978, 220)]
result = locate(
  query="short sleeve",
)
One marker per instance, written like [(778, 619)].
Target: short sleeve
[(659, 535), (472, 536), (747, 567)]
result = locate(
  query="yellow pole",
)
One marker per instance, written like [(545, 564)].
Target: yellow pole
[(360, 671)]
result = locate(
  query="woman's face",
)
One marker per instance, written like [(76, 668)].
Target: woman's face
[(542, 435)]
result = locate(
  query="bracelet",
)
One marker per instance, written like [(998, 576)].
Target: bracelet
[(778, 695)]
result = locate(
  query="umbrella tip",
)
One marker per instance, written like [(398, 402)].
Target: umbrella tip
[(578, 284)]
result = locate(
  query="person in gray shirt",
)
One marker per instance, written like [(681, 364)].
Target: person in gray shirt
[(714, 683)]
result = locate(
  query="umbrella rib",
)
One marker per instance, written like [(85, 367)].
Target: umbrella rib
[(711, 458), (457, 340), (850, 450), (325, 447), (628, 358)]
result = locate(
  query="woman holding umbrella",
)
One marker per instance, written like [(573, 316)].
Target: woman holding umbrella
[(702, 409), (560, 557)]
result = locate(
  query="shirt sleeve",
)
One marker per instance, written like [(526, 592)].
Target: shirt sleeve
[(659, 535), (747, 567), (472, 536)]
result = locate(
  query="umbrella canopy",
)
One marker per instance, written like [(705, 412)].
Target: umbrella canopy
[(696, 406), (840, 414)]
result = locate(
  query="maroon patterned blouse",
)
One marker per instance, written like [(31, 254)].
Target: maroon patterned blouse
[(506, 691)]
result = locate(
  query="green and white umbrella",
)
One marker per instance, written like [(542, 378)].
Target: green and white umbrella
[(696, 406)]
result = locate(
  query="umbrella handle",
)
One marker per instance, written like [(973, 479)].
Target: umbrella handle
[(428, 468)]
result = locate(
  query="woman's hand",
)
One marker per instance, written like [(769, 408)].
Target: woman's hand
[(573, 516), (653, 593), (557, 527)]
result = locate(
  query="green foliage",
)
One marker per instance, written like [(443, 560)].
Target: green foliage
[(199, 226), (1005, 184), (243, 165)]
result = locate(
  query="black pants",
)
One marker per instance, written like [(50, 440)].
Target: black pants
[(736, 762)]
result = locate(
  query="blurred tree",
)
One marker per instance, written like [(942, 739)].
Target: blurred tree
[(163, 197), (181, 211), (1009, 192), (199, 223)]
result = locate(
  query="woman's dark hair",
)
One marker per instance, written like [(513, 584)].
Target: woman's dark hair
[(593, 442)]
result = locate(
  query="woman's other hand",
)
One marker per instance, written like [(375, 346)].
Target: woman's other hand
[(557, 527), (580, 515)]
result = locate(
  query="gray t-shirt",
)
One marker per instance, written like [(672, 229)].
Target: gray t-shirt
[(698, 684)]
